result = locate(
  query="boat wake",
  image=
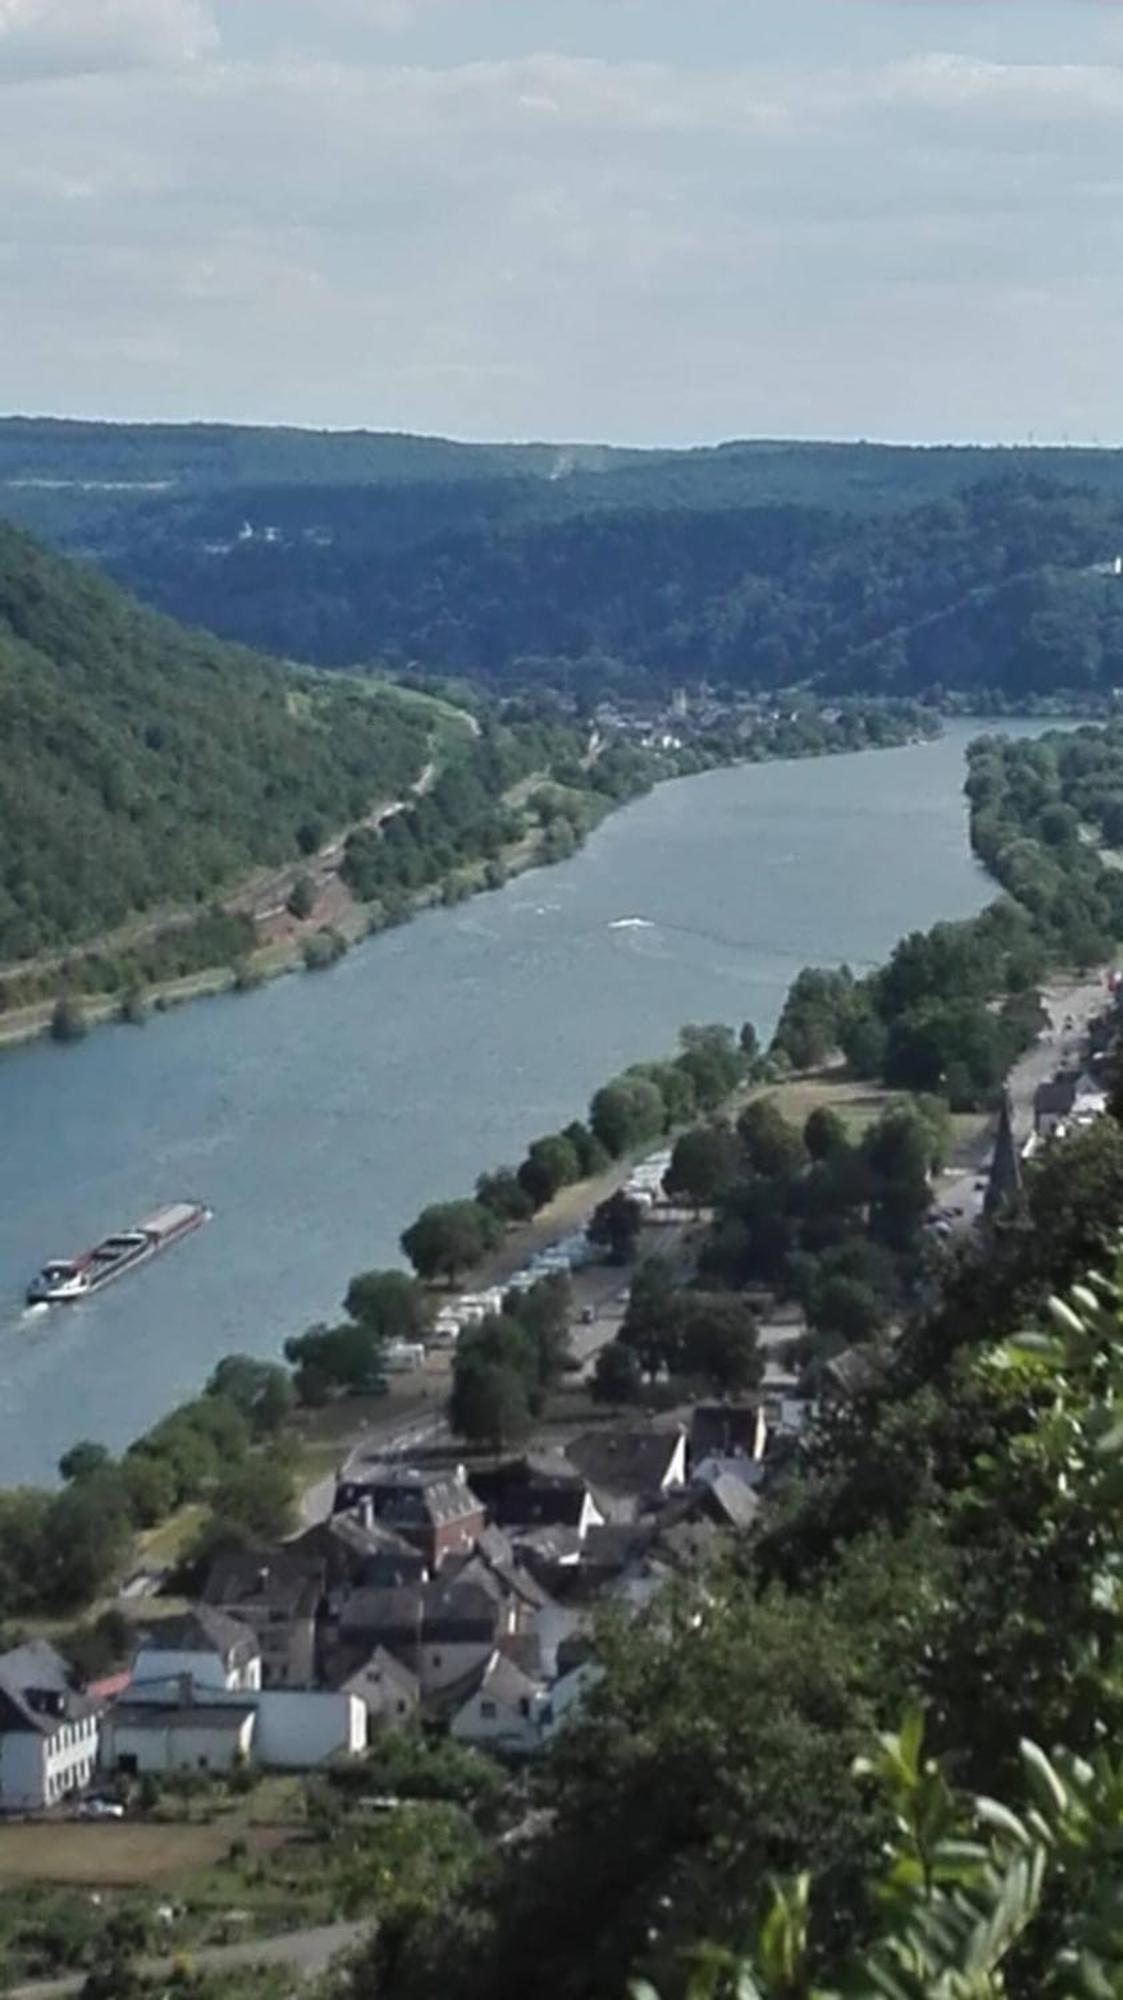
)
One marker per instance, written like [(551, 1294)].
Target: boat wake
[(631, 924)]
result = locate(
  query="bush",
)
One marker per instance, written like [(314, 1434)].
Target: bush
[(68, 1022)]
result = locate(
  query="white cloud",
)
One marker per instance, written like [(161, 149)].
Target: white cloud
[(44, 38), (569, 246)]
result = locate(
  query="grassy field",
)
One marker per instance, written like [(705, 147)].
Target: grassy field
[(115, 1855)]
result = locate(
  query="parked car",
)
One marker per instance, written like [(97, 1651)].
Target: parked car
[(101, 1809)]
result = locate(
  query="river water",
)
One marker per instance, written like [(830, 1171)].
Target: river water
[(319, 1114)]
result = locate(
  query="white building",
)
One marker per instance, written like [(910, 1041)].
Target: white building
[(181, 1725), (505, 1712), (48, 1733), (177, 1734)]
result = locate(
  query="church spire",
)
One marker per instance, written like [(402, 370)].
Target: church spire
[(1005, 1184)]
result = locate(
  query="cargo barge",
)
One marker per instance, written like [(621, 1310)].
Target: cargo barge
[(66, 1279)]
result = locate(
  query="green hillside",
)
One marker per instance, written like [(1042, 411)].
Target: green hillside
[(144, 764)]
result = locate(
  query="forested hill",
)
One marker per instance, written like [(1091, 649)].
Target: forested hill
[(853, 566), (995, 589), (144, 764)]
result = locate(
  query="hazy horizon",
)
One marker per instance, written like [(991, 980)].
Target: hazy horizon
[(605, 220)]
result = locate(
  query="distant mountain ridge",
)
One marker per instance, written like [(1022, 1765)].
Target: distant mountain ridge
[(758, 562)]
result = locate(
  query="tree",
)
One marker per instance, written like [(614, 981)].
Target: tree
[(551, 1164), (749, 1043), (257, 1498), (847, 1307), (68, 1022), (150, 1483), (824, 1133), (82, 1460), (302, 898), (591, 1155), (347, 1357), (489, 1403), (504, 1194), (86, 1535), (615, 1225), (772, 1147), (702, 1163), (617, 1374), (626, 1114), (711, 1060), (389, 1304), (261, 1390), (718, 1341), (448, 1238)]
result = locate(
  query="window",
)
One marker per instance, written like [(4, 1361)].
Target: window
[(487, 1710), (524, 1705)]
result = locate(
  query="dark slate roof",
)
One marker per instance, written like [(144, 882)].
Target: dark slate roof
[(733, 1500), (632, 1463), (201, 1630), (408, 1496), (857, 1371), (1056, 1098), (396, 1612), (270, 1582), (458, 1612), (720, 1429), (532, 1492), (180, 1715), (36, 1696), (610, 1549), (548, 1544), (444, 1610)]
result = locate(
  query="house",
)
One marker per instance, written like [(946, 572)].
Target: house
[(48, 1731), (494, 1565), (505, 1712), (537, 1492), (629, 1471), (435, 1511), (177, 1733), (353, 1548), (211, 1648), (728, 1430), (1053, 1102), (515, 1707), (442, 1630), (183, 1725), (389, 1691), (277, 1599)]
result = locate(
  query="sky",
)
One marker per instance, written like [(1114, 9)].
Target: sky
[(642, 221)]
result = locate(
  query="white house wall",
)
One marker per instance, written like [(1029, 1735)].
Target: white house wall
[(299, 1728), (36, 1770)]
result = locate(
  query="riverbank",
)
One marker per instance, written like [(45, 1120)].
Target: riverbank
[(338, 919)]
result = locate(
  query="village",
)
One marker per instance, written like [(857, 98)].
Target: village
[(461, 1592)]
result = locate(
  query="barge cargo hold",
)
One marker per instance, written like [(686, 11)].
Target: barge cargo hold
[(64, 1280)]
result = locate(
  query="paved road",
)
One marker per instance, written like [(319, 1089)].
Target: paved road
[(1060, 1047), (309, 1953)]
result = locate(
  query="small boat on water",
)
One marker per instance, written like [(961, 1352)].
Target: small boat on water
[(66, 1279)]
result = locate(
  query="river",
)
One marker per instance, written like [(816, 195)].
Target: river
[(319, 1114)]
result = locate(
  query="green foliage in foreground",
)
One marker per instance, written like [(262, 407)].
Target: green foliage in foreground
[(952, 1545), (967, 1887)]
